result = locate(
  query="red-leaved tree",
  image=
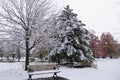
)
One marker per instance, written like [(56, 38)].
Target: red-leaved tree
[(95, 44), (108, 45)]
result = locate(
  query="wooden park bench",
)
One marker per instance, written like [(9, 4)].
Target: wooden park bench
[(43, 69)]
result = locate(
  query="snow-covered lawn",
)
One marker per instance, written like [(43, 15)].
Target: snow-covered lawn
[(12, 71), (107, 69)]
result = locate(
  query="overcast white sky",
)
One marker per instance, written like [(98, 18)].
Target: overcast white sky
[(99, 15)]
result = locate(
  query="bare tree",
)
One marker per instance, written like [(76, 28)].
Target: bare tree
[(27, 19)]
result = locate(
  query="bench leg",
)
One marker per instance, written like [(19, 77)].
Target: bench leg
[(30, 77), (55, 76)]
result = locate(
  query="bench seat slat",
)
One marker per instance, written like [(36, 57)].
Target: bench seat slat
[(44, 72)]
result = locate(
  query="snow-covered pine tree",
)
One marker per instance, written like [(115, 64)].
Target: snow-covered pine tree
[(73, 40)]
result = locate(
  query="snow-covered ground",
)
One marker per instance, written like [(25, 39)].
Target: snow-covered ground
[(107, 69), (12, 71)]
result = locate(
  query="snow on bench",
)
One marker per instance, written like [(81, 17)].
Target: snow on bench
[(40, 69)]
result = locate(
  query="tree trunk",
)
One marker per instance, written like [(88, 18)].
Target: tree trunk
[(27, 53), (27, 50), (13, 55), (1, 56), (19, 54)]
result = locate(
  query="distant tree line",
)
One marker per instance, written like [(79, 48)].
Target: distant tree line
[(105, 46)]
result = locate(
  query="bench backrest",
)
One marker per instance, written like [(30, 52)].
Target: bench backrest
[(40, 67)]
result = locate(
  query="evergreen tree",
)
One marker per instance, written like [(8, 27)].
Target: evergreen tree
[(73, 40)]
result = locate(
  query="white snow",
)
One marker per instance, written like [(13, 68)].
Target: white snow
[(107, 69), (12, 71)]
